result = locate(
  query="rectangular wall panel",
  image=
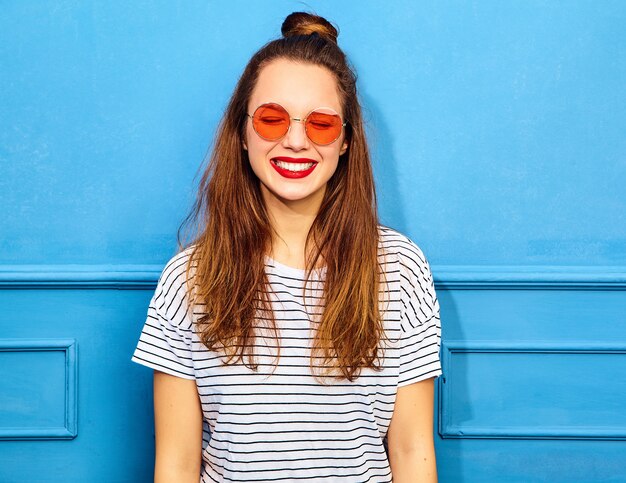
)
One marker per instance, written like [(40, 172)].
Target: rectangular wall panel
[(37, 388), (533, 390)]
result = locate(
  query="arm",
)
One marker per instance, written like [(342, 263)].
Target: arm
[(178, 429), (410, 435)]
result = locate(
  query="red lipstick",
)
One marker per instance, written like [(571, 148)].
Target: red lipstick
[(292, 174)]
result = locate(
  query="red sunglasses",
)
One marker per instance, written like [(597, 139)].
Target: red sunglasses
[(271, 121)]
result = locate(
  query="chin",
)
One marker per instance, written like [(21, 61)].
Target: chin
[(293, 196), (289, 195)]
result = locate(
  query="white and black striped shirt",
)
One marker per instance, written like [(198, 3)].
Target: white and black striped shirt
[(281, 424)]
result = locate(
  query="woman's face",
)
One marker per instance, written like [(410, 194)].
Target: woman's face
[(299, 88)]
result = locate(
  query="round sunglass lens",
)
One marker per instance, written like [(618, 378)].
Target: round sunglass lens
[(323, 126), (270, 121)]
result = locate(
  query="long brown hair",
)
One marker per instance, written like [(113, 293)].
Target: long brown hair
[(234, 232)]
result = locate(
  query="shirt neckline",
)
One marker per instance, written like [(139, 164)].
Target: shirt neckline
[(298, 272)]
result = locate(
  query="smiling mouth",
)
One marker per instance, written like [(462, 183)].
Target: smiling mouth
[(293, 169)]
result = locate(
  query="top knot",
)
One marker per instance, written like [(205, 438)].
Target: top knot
[(303, 23)]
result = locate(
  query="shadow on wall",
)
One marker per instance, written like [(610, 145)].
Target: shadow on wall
[(392, 213), (450, 326), (380, 139)]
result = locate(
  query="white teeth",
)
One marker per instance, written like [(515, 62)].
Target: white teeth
[(293, 166)]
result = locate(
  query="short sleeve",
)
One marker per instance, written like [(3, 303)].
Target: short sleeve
[(165, 343), (420, 324)]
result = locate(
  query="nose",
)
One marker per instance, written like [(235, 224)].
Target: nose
[(296, 137)]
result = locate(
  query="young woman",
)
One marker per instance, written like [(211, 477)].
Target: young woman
[(295, 338)]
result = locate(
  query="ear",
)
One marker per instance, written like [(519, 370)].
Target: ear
[(344, 147), (245, 146)]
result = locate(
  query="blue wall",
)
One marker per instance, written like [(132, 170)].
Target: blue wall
[(497, 135)]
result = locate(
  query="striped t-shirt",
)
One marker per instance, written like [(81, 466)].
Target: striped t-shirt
[(281, 424)]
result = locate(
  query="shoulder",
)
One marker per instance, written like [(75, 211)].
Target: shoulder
[(170, 296), (174, 270), (417, 289), (408, 254), (177, 263)]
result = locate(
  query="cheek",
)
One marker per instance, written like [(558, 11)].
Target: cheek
[(255, 145), (331, 163), (334, 153)]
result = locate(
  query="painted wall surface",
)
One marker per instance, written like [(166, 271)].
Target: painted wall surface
[(497, 133)]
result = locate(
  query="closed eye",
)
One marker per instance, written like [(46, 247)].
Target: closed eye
[(272, 120), (320, 125)]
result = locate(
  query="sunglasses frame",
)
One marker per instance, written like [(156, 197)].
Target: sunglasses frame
[(302, 120)]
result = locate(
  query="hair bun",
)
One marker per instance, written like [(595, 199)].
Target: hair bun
[(303, 23)]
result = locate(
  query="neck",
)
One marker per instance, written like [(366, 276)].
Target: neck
[(291, 222)]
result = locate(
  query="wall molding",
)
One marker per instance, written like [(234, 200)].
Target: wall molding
[(448, 429), (457, 277), (70, 427), (557, 277), (80, 276)]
